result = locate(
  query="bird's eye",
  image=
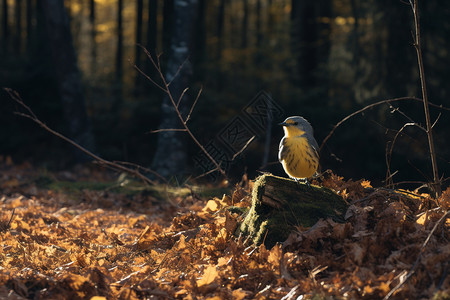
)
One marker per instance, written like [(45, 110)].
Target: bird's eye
[(295, 123)]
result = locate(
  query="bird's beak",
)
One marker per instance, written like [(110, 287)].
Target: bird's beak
[(282, 124)]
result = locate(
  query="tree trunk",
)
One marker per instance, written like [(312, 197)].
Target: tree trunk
[(151, 43), (137, 59), (310, 38), (259, 34), (93, 34), (220, 29), (170, 157), (67, 75), (119, 53), (280, 204), (5, 31), (199, 49), (168, 24), (18, 16), (29, 24), (152, 28), (244, 41), (92, 10)]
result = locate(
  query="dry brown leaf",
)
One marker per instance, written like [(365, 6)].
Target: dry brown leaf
[(211, 206), (240, 294), (209, 275), (55, 247), (275, 256)]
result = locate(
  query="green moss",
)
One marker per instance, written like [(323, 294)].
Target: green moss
[(302, 205), (128, 186)]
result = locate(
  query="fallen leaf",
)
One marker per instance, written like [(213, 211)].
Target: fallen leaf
[(209, 275)]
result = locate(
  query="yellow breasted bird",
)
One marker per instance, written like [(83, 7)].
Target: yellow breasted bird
[(298, 149)]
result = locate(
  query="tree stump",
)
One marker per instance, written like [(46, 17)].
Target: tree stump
[(280, 204)]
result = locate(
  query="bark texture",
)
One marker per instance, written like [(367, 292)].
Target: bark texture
[(68, 75), (171, 153), (280, 204)]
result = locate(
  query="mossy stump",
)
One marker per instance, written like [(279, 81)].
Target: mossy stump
[(279, 204)]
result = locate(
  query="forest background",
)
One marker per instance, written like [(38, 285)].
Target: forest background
[(319, 59)]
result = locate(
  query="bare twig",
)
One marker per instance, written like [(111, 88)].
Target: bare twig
[(181, 96), (11, 218), (360, 111), (437, 119), (149, 78), (165, 87), (206, 173), (396, 109), (388, 101), (167, 129), (389, 154), (193, 105), (176, 73), (115, 166), (243, 148), (417, 44), (413, 268)]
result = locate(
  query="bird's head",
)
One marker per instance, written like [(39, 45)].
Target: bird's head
[(295, 126)]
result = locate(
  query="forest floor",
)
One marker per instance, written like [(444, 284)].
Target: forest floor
[(85, 232)]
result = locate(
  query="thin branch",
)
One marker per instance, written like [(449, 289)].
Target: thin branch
[(413, 268), (417, 44), (243, 148), (181, 96), (369, 107), (389, 155), (193, 105), (149, 78), (166, 88), (10, 219), (178, 71), (167, 130), (437, 119), (15, 96), (419, 171), (396, 109), (206, 173), (360, 111)]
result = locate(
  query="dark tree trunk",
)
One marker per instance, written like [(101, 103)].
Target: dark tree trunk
[(152, 34), (168, 23), (29, 24), (5, 23), (304, 37), (139, 11), (307, 35), (220, 28), (355, 13), (67, 75), (170, 157), (92, 11), (152, 26), (199, 47), (119, 53), (18, 17), (399, 52), (244, 41), (271, 16), (258, 24), (93, 33)]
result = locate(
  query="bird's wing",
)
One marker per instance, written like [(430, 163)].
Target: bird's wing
[(282, 149), (312, 141)]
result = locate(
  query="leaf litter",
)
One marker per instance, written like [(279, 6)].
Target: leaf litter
[(99, 244)]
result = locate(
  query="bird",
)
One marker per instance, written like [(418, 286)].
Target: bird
[(298, 151)]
